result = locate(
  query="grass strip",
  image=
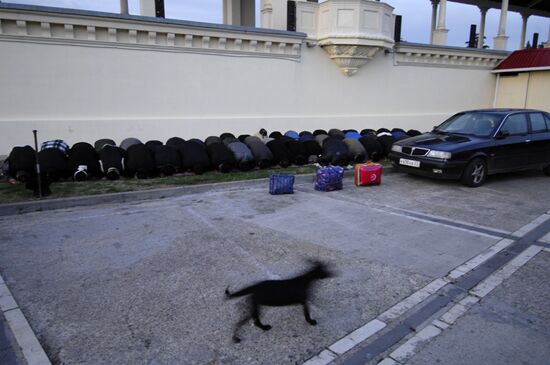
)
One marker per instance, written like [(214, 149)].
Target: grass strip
[(17, 193)]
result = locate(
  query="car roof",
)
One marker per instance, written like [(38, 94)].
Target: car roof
[(502, 110)]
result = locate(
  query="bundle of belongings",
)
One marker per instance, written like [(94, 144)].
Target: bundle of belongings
[(368, 174), (329, 178), (281, 184)]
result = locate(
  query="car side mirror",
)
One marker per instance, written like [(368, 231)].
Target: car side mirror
[(502, 134)]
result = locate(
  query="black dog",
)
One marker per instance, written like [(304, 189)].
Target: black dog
[(278, 293)]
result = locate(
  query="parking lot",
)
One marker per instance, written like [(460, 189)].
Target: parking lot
[(144, 282)]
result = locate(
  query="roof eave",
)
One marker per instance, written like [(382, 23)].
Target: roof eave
[(523, 69)]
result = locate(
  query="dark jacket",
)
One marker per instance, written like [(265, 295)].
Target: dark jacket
[(139, 162), (153, 143), (386, 140), (100, 143), (53, 164), (374, 149), (220, 155), (83, 162), (22, 163), (281, 154), (127, 142), (334, 132), (175, 142), (357, 152), (111, 160), (298, 152), (167, 159), (243, 155), (262, 154), (335, 152), (195, 157), (212, 139), (313, 149)]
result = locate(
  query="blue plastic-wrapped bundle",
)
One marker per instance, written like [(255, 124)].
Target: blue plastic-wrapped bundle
[(281, 184), (329, 178)]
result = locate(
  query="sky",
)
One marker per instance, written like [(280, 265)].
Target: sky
[(415, 25)]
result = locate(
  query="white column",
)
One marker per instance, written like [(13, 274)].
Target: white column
[(147, 8), (124, 7), (523, 31), (239, 12), (232, 12), (501, 40), (482, 27), (435, 3), (440, 33), (274, 14), (547, 44)]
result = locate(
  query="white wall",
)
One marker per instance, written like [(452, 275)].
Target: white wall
[(83, 92)]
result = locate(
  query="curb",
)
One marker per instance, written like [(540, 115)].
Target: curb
[(133, 196)]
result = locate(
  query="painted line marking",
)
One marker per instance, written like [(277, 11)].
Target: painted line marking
[(531, 225), (325, 357), (458, 309), (479, 259), (438, 325), (421, 217), (409, 348), (24, 336), (356, 337), (490, 283), (412, 300)]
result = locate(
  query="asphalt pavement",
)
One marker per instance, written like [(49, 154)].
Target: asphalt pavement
[(143, 281)]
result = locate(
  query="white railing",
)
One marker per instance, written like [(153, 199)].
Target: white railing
[(52, 25)]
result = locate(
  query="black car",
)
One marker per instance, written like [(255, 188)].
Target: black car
[(473, 144)]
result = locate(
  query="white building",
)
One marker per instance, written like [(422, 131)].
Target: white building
[(81, 75)]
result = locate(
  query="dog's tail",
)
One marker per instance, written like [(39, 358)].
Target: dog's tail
[(240, 293)]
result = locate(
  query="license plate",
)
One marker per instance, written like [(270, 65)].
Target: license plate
[(407, 162)]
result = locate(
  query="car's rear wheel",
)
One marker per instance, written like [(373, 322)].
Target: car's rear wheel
[(475, 173), (546, 170)]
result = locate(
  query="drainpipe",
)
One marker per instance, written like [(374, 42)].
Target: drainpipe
[(496, 91)]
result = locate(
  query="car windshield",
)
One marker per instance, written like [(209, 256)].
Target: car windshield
[(480, 124)]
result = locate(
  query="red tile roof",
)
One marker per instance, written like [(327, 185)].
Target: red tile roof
[(526, 58)]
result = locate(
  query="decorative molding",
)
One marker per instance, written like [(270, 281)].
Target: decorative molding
[(349, 57), (350, 31), (424, 55), (19, 25)]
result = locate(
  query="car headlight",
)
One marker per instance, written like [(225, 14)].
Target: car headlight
[(396, 148), (439, 154)]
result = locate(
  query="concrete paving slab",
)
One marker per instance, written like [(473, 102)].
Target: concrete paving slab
[(509, 326), (144, 282)]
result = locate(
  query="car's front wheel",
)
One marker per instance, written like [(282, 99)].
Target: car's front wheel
[(475, 173)]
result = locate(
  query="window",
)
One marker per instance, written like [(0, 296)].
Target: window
[(515, 124), (538, 124)]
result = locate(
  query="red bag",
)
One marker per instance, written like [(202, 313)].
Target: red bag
[(368, 174)]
